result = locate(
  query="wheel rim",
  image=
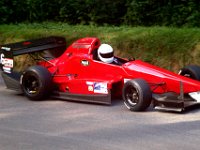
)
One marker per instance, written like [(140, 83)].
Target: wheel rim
[(132, 96), (31, 84)]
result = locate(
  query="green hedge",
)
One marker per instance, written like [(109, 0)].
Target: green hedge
[(170, 48), (98, 12)]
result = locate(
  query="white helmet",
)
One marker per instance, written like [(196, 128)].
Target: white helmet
[(105, 53)]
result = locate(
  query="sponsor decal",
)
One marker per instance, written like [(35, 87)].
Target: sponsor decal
[(6, 63), (89, 83), (90, 88), (98, 87), (195, 95), (1, 58), (85, 62), (27, 43), (6, 69), (5, 48)]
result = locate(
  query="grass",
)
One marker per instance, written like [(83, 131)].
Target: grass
[(170, 48)]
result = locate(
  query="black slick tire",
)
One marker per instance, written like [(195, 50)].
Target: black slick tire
[(36, 82), (137, 95), (191, 71)]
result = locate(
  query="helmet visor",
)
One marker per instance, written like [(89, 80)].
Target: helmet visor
[(107, 55)]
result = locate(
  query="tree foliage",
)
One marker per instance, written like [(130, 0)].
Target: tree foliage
[(118, 12), (165, 12)]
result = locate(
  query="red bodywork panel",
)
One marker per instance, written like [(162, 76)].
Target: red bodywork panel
[(78, 71)]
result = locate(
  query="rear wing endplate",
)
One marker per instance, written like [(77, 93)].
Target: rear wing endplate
[(8, 51)]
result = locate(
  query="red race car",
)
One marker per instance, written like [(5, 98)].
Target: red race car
[(76, 73)]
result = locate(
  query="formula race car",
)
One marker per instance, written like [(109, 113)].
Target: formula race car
[(76, 73)]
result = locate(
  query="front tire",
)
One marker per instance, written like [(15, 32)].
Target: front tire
[(36, 82), (137, 95), (191, 71)]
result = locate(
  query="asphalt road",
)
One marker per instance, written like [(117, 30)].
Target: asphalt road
[(63, 125)]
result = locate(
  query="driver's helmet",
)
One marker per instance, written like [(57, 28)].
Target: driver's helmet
[(105, 53)]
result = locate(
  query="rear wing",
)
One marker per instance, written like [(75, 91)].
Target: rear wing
[(8, 51)]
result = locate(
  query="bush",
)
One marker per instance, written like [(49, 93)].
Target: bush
[(168, 12)]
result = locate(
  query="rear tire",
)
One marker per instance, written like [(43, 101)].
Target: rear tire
[(191, 71), (137, 95), (36, 82)]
